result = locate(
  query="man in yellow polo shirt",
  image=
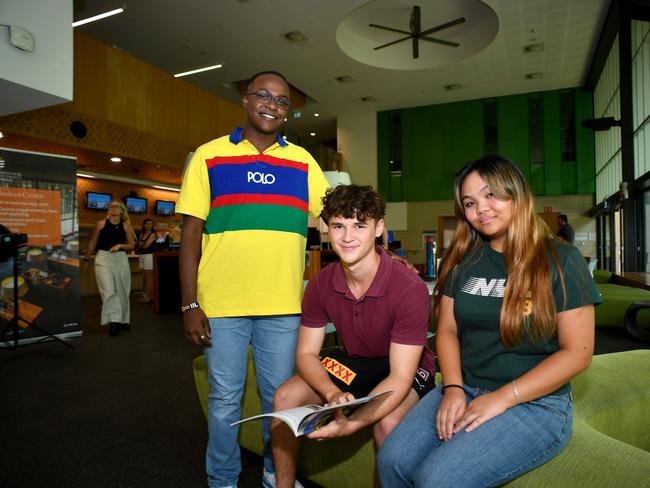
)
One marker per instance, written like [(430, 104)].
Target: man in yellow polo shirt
[(245, 199)]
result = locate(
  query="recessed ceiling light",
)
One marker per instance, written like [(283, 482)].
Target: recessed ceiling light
[(535, 76), (534, 48), (453, 86), (312, 134), (316, 115), (199, 70), (344, 79), (116, 159), (97, 17), (294, 36)]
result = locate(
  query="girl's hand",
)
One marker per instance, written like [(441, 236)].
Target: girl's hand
[(452, 408), (115, 248), (482, 409)]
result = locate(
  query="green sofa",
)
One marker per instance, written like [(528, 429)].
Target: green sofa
[(610, 446), (616, 300)]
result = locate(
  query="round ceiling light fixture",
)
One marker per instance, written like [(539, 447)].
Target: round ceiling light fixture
[(392, 34)]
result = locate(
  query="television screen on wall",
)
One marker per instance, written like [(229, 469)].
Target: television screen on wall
[(98, 201), (164, 207), (135, 205)]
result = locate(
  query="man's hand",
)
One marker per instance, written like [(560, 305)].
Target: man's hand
[(197, 327), (336, 428), (338, 397)]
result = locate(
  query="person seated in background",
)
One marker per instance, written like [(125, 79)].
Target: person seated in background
[(146, 245), (381, 313)]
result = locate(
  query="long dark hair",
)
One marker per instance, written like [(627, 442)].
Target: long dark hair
[(528, 246)]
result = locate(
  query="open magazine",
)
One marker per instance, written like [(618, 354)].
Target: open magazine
[(307, 419)]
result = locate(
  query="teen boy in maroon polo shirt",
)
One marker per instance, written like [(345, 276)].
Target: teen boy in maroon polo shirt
[(380, 310)]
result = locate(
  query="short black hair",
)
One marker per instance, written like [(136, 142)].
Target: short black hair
[(350, 201), (262, 73), (563, 218)]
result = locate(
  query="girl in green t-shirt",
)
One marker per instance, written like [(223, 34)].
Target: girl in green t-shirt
[(515, 313)]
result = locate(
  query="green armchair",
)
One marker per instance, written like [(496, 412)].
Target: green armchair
[(616, 300), (610, 446)]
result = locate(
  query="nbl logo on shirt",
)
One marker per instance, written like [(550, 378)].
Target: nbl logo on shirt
[(260, 178)]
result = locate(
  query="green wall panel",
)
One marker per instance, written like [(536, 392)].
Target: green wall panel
[(552, 146), (438, 139), (383, 171), (512, 116), (585, 141)]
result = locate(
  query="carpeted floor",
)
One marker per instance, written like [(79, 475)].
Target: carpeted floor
[(118, 411)]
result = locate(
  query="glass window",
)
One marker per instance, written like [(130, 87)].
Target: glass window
[(568, 125), (646, 232)]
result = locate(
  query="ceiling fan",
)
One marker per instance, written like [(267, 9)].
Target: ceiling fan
[(416, 33)]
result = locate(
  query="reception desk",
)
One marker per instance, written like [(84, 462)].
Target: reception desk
[(166, 282)]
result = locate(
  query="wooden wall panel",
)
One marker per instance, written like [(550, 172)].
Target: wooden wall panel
[(130, 109), (202, 121), (169, 112), (229, 116), (89, 76), (129, 90)]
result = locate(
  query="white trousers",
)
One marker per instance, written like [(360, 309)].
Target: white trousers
[(114, 283)]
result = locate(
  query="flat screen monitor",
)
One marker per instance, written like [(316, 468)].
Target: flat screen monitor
[(135, 205), (164, 207), (98, 201)]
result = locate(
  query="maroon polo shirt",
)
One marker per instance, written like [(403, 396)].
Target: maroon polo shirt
[(394, 309)]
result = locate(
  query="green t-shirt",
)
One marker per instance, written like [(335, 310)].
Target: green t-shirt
[(477, 286)]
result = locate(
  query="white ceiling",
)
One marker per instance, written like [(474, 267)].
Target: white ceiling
[(246, 37)]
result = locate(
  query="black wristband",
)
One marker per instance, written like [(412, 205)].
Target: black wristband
[(452, 386)]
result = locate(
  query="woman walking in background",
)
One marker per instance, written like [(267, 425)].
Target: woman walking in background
[(515, 323), (113, 237), (146, 246)]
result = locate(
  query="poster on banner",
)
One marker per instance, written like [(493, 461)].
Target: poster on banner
[(38, 199)]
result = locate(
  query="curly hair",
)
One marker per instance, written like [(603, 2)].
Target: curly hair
[(350, 201)]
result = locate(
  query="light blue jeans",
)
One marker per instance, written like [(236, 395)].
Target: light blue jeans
[(505, 447), (273, 341)]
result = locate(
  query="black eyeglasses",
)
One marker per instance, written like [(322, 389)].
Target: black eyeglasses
[(266, 97)]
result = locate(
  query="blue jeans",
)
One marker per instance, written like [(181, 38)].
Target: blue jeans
[(520, 439), (273, 341)]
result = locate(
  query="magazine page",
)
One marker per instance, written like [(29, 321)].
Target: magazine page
[(309, 418), (291, 417), (323, 416)]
